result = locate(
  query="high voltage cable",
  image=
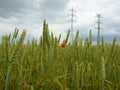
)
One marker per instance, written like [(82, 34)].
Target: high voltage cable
[(59, 11), (46, 3)]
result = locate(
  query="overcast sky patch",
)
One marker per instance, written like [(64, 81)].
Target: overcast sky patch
[(29, 14)]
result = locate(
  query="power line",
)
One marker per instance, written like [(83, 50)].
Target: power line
[(46, 3), (98, 25), (72, 20), (59, 11)]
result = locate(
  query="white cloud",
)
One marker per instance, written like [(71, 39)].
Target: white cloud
[(116, 18), (111, 31), (10, 20)]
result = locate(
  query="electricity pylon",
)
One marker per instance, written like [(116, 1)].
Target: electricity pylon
[(98, 25), (72, 20)]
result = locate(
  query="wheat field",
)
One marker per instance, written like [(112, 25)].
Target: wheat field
[(46, 65)]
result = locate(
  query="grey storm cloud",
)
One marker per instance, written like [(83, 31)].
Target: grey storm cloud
[(46, 7), (49, 9), (9, 7)]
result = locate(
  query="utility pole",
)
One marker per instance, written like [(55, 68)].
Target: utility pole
[(71, 20), (98, 25)]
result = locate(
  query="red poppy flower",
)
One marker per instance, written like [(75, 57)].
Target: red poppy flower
[(63, 45)]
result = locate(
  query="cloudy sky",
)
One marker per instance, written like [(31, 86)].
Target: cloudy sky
[(29, 14)]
